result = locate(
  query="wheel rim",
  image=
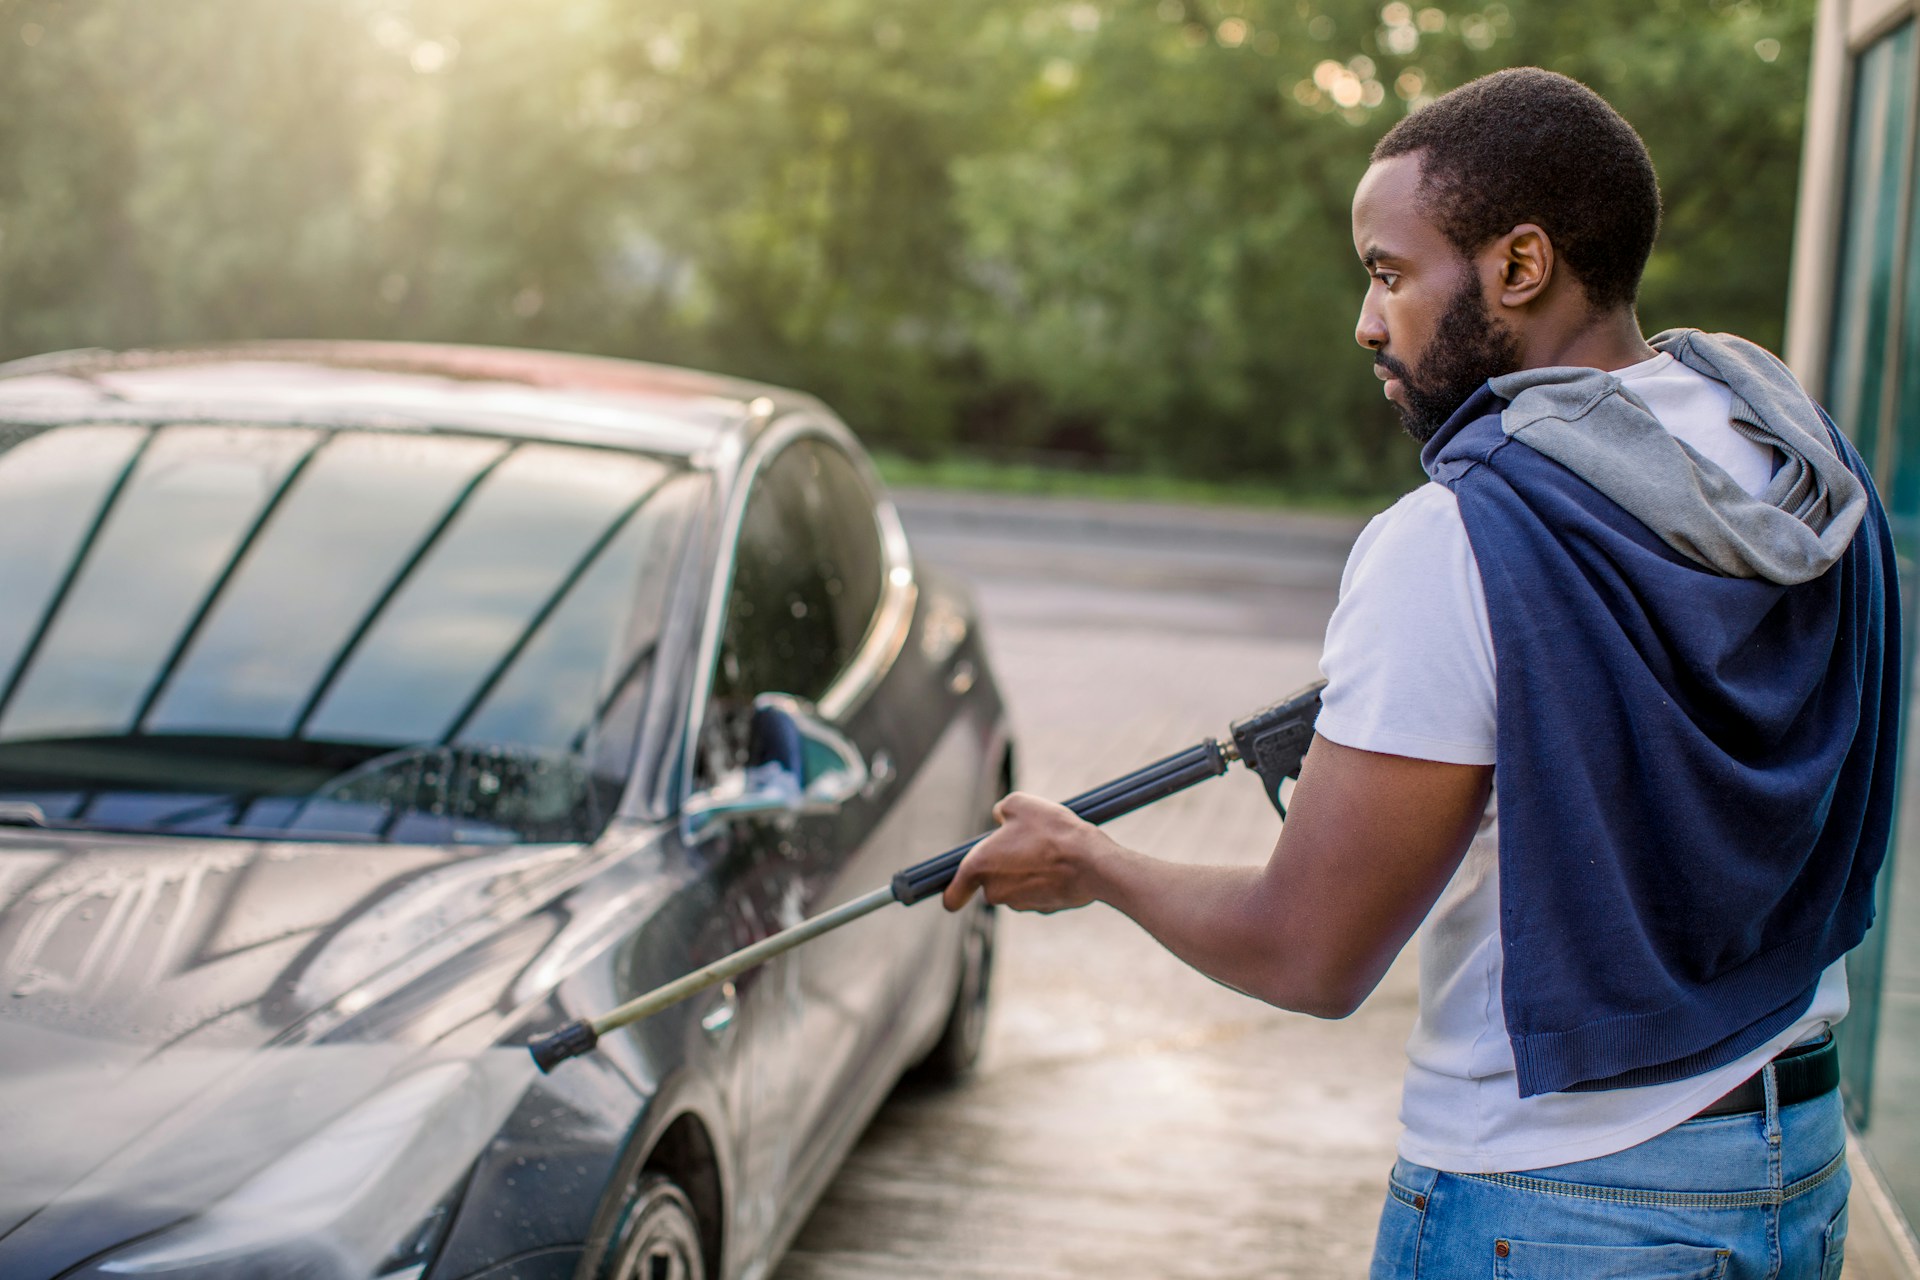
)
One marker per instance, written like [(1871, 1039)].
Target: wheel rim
[(663, 1261), (662, 1238)]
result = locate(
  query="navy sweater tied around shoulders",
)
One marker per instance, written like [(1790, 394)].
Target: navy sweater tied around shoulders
[(1695, 771)]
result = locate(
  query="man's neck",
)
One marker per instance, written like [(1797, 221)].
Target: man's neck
[(1607, 342)]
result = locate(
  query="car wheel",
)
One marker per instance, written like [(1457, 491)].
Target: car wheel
[(954, 1056), (660, 1239)]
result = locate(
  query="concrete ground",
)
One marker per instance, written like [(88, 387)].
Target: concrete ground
[(1131, 1117)]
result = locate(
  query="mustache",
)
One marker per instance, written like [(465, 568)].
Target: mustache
[(1393, 367)]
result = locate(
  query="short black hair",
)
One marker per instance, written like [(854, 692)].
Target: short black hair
[(1527, 145)]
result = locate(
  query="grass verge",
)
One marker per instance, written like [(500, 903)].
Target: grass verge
[(982, 475)]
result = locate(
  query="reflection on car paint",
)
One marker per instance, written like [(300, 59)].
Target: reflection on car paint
[(85, 924), (232, 1152)]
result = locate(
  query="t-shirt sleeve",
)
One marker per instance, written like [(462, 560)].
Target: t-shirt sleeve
[(1409, 656)]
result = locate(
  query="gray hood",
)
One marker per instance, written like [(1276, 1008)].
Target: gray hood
[(1791, 532)]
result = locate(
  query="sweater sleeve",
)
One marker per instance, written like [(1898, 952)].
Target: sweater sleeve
[(1409, 654)]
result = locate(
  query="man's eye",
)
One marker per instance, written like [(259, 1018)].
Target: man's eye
[(1386, 278)]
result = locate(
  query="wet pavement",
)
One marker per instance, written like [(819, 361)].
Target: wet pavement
[(1131, 1117)]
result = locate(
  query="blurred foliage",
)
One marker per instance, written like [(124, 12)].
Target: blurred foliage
[(1111, 228)]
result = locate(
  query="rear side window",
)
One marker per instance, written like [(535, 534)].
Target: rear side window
[(807, 580)]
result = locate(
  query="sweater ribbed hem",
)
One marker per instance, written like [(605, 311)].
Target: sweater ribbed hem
[(1742, 1007)]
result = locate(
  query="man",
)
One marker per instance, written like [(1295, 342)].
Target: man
[(1610, 706)]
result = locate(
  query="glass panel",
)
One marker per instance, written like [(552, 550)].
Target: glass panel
[(51, 488), (192, 497), (1891, 963), (1878, 171), (780, 634), (1882, 111), (806, 585), (410, 588), (345, 531), (551, 693), (840, 505), (477, 592)]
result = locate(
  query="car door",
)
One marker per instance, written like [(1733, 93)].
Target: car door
[(850, 978), (801, 606)]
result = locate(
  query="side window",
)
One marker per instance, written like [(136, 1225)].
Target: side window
[(840, 506), (806, 582)]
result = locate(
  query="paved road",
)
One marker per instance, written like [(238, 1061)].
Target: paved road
[(1131, 1117)]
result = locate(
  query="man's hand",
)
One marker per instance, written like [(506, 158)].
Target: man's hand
[(1039, 860), (1370, 841)]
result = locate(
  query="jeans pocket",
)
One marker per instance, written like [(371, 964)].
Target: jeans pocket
[(1396, 1248), (1531, 1260), (1833, 1246)]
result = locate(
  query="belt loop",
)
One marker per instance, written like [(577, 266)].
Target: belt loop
[(1770, 1083)]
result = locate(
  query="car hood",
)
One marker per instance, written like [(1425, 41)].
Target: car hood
[(174, 1010)]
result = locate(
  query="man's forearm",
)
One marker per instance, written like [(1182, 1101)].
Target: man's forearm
[(1219, 920)]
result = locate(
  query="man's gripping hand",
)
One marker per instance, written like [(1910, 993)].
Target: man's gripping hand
[(1043, 858)]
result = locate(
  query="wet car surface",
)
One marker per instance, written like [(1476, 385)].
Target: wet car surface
[(358, 704)]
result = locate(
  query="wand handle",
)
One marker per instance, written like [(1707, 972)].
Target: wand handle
[(1102, 804)]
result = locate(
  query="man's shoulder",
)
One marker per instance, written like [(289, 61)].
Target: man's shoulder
[(1428, 509), (1423, 527)]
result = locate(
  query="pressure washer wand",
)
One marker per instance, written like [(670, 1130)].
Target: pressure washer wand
[(1272, 742)]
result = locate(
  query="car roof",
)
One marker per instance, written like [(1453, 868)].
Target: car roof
[(548, 395)]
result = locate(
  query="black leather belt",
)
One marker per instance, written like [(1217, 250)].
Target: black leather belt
[(1800, 1073)]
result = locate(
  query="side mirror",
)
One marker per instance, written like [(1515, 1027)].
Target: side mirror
[(796, 763)]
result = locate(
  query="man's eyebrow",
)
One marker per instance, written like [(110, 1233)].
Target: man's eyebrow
[(1374, 253)]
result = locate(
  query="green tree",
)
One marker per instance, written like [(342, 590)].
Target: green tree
[(1111, 227), (1168, 244)]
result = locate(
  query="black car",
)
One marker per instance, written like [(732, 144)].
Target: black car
[(367, 710)]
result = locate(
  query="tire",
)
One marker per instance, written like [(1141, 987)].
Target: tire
[(955, 1054), (660, 1237)]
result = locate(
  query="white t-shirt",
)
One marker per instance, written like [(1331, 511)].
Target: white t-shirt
[(1409, 664)]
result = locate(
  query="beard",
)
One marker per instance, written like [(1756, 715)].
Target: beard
[(1468, 347)]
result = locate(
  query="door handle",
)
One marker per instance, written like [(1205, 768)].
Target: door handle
[(717, 1020)]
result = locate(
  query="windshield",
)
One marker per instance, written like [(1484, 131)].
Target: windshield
[(327, 634)]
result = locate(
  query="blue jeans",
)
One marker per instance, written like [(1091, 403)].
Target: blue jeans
[(1747, 1197)]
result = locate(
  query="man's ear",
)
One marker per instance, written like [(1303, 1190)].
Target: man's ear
[(1524, 260)]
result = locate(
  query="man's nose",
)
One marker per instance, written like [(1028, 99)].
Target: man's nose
[(1371, 332)]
